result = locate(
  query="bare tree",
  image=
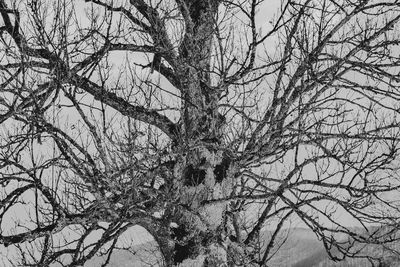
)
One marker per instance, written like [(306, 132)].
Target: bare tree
[(203, 122)]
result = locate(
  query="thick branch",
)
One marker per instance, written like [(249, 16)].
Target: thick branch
[(137, 112)]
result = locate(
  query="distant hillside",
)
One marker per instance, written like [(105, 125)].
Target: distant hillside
[(144, 255), (301, 243), (302, 249), (319, 258), (388, 259)]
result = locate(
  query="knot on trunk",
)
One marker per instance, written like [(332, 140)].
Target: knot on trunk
[(183, 248), (187, 244), (209, 168), (193, 176), (220, 170)]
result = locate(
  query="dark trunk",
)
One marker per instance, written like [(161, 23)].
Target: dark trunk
[(202, 172)]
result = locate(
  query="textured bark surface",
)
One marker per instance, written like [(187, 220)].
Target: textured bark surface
[(197, 185), (197, 179)]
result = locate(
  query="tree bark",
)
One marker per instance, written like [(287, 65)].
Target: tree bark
[(201, 172)]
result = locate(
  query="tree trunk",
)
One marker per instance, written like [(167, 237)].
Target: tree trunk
[(202, 172), (204, 175)]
